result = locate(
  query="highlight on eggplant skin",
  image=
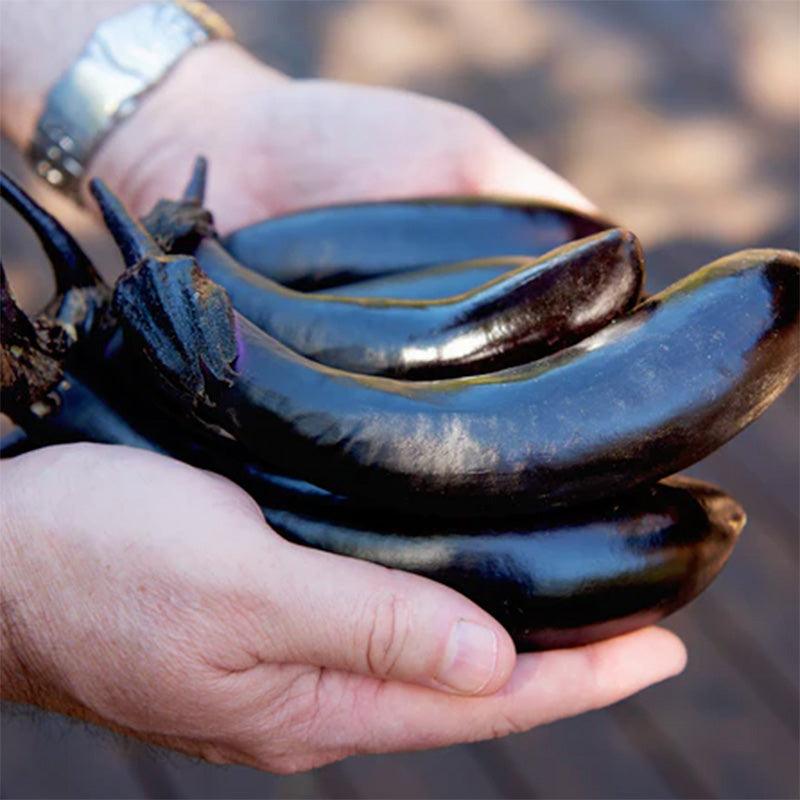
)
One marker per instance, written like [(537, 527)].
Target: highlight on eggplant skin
[(542, 306), (560, 580), (648, 395), (555, 580), (324, 247)]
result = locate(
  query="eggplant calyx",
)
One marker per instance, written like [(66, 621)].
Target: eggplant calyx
[(178, 226), (180, 319), (32, 355)]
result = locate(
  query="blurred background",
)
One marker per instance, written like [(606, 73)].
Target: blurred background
[(681, 121)]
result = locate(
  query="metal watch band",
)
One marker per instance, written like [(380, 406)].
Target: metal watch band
[(127, 55)]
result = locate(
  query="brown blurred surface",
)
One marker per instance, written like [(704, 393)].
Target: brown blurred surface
[(680, 119)]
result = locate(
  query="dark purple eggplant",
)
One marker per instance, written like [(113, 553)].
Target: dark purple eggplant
[(541, 306), (432, 283), (650, 394), (343, 244), (558, 580)]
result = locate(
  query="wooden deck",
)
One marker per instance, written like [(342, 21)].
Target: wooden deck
[(680, 119)]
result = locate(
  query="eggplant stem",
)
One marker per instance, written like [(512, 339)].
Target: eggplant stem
[(195, 191), (134, 242), (71, 266)]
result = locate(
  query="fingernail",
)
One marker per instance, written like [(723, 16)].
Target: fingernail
[(471, 658)]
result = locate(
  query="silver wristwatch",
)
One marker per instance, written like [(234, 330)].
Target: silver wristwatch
[(126, 56)]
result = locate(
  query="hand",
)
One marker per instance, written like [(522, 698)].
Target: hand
[(276, 145), (150, 596)]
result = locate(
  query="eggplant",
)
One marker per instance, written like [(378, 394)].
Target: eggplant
[(559, 580), (650, 394), (556, 580), (343, 244), (432, 283), (540, 306)]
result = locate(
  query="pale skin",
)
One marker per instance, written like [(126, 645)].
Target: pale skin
[(151, 597)]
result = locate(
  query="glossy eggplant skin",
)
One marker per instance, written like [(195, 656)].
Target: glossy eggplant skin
[(431, 283), (541, 306), (554, 581), (343, 244), (647, 396), (650, 394)]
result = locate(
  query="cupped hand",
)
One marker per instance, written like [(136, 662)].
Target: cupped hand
[(278, 145), (150, 596), (146, 595)]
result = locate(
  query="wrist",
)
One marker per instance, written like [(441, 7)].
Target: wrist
[(148, 155), (56, 42)]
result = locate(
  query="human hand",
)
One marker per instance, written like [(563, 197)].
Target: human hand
[(276, 145), (149, 596)]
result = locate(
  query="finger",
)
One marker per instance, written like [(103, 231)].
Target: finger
[(508, 171), (544, 687), (339, 612)]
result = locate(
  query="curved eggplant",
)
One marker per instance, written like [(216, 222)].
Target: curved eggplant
[(342, 244), (540, 306), (560, 580), (432, 283), (650, 394), (536, 309), (557, 580)]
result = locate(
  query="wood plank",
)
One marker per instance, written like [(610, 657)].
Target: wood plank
[(193, 778), (585, 757), (452, 772), (46, 755), (718, 725), (752, 613)]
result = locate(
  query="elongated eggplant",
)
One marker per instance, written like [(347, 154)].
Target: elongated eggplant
[(343, 244), (540, 306), (432, 283), (650, 394), (558, 580)]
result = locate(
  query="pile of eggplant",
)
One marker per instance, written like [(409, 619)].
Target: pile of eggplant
[(476, 391)]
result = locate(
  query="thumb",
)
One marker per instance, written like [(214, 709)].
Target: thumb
[(352, 615), (506, 170)]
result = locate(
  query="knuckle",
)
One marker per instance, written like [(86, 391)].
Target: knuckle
[(387, 628)]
